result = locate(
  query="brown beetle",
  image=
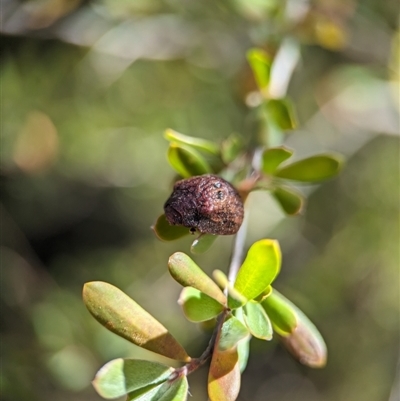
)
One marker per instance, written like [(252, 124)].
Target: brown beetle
[(207, 203)]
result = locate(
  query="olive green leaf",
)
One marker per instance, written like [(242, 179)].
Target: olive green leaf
[(187, 273), (187, 161), (314, 168), (282, 313), (122, 376), (175, 390), (203, 243), (281, 113), (197, 306), (124, 317), (273, 157), (257, 321), (290, 200), (224, 375), (243, 346), (231, 147), (260, 63), (198, 143), (166, 232), (259, 269), (231, 333)]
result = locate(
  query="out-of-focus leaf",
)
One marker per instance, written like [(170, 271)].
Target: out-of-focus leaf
[(187, 273), (187, 161), (198, 143), (243, 346), (124, 317), (281, 312), (232, 332), (260, 63), (122, 376), (203, 243), (290, 200), (176, 390), (231, 148), (166, 232), (281, 113), (273, 157), (198, 306), (314, 168), (257, 321), (259, 269), (305, 341), (224, 375)]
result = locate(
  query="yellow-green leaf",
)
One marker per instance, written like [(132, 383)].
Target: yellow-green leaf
[(281, 113), (260, 63), (166, 232), (198, 143), (273, 157), (290, 200), (257, 321), (203, 243)]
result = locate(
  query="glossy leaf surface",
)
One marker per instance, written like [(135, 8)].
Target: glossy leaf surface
[(282, 313), (122, 376), (290, 200), (203, 243), (259, 269), (224, 376), (233, 330), (315, 168), (281, 112), (199, 143), (187, 273), (257, 321), (124, 317), (176, 390), (197, 306), (273, 157), (166, 232), (187, 161), (260, 63)]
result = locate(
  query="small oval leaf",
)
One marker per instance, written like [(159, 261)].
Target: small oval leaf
[(187, 273), (257, 321), (166, 232), (272, 158), (259, 269), (281, 312), (197, 306), (233, 330), (290, 200), (124, 317), (122, 376), (198, 143), (281, 113), (187, 161), (260, 63), (203, 243), (315, 168), (224, 375)]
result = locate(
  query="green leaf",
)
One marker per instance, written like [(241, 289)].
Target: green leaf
[(175, 390), (224, 375), (186, 272), (232, 332), (165, 232), (273, 157), (281, 113), (260, 63), (235, 298), (305, 341), (281, 312), (290, 200), (187, 161), (257, 321), (124, 317), (122, 376), (315, 168), (243, 346), (198, 143), (203, 243), (197, 306), (259, 269), (231, 147)]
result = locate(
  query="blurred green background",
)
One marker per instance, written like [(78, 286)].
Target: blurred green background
[(88, 87)]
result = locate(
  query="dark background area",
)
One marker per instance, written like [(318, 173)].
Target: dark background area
[(88, 87)]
